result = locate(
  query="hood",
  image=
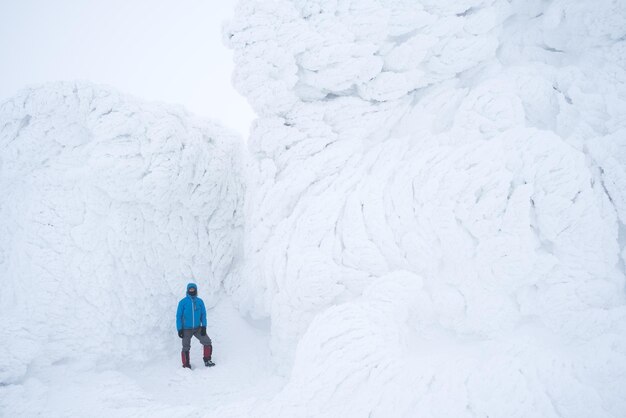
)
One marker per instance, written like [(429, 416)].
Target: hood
[(191, 285)]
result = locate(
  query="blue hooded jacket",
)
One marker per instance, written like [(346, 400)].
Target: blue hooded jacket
[(191, 312)]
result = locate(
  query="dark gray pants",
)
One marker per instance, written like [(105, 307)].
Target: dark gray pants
[(187, 333)]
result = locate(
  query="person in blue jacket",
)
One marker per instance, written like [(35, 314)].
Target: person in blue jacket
[(191, 321)]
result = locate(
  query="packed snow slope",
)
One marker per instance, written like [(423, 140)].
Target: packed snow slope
[(109, 206), (436, 205)]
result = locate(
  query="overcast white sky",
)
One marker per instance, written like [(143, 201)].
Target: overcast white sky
[(164, 50)]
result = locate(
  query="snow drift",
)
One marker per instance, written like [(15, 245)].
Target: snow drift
[(435, 211), (109, 206)]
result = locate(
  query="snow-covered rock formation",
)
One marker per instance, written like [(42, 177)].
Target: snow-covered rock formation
[(435, 221), (436, 207), (109, 206)]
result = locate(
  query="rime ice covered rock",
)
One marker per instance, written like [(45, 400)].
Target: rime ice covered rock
[(468, 155), (109, 206)]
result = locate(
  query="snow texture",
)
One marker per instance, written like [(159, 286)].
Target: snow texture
[(109, 206), (433, 223), (435, 209)]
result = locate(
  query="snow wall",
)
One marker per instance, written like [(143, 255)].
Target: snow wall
[(436, 205), (109, 207)]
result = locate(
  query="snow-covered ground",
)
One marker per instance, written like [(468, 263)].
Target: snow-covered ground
[(428, 220), (152, 383)]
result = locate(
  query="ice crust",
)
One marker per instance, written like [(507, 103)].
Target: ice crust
[(109, 206), (435, 206)]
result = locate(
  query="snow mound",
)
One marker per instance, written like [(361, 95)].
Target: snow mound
[(435, 209), (109, 206)]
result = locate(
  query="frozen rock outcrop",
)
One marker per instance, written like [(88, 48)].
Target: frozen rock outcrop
[(109, 206), (435, 211)]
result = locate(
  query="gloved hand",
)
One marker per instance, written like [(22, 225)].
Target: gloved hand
[(180, 333), (203, 331)]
